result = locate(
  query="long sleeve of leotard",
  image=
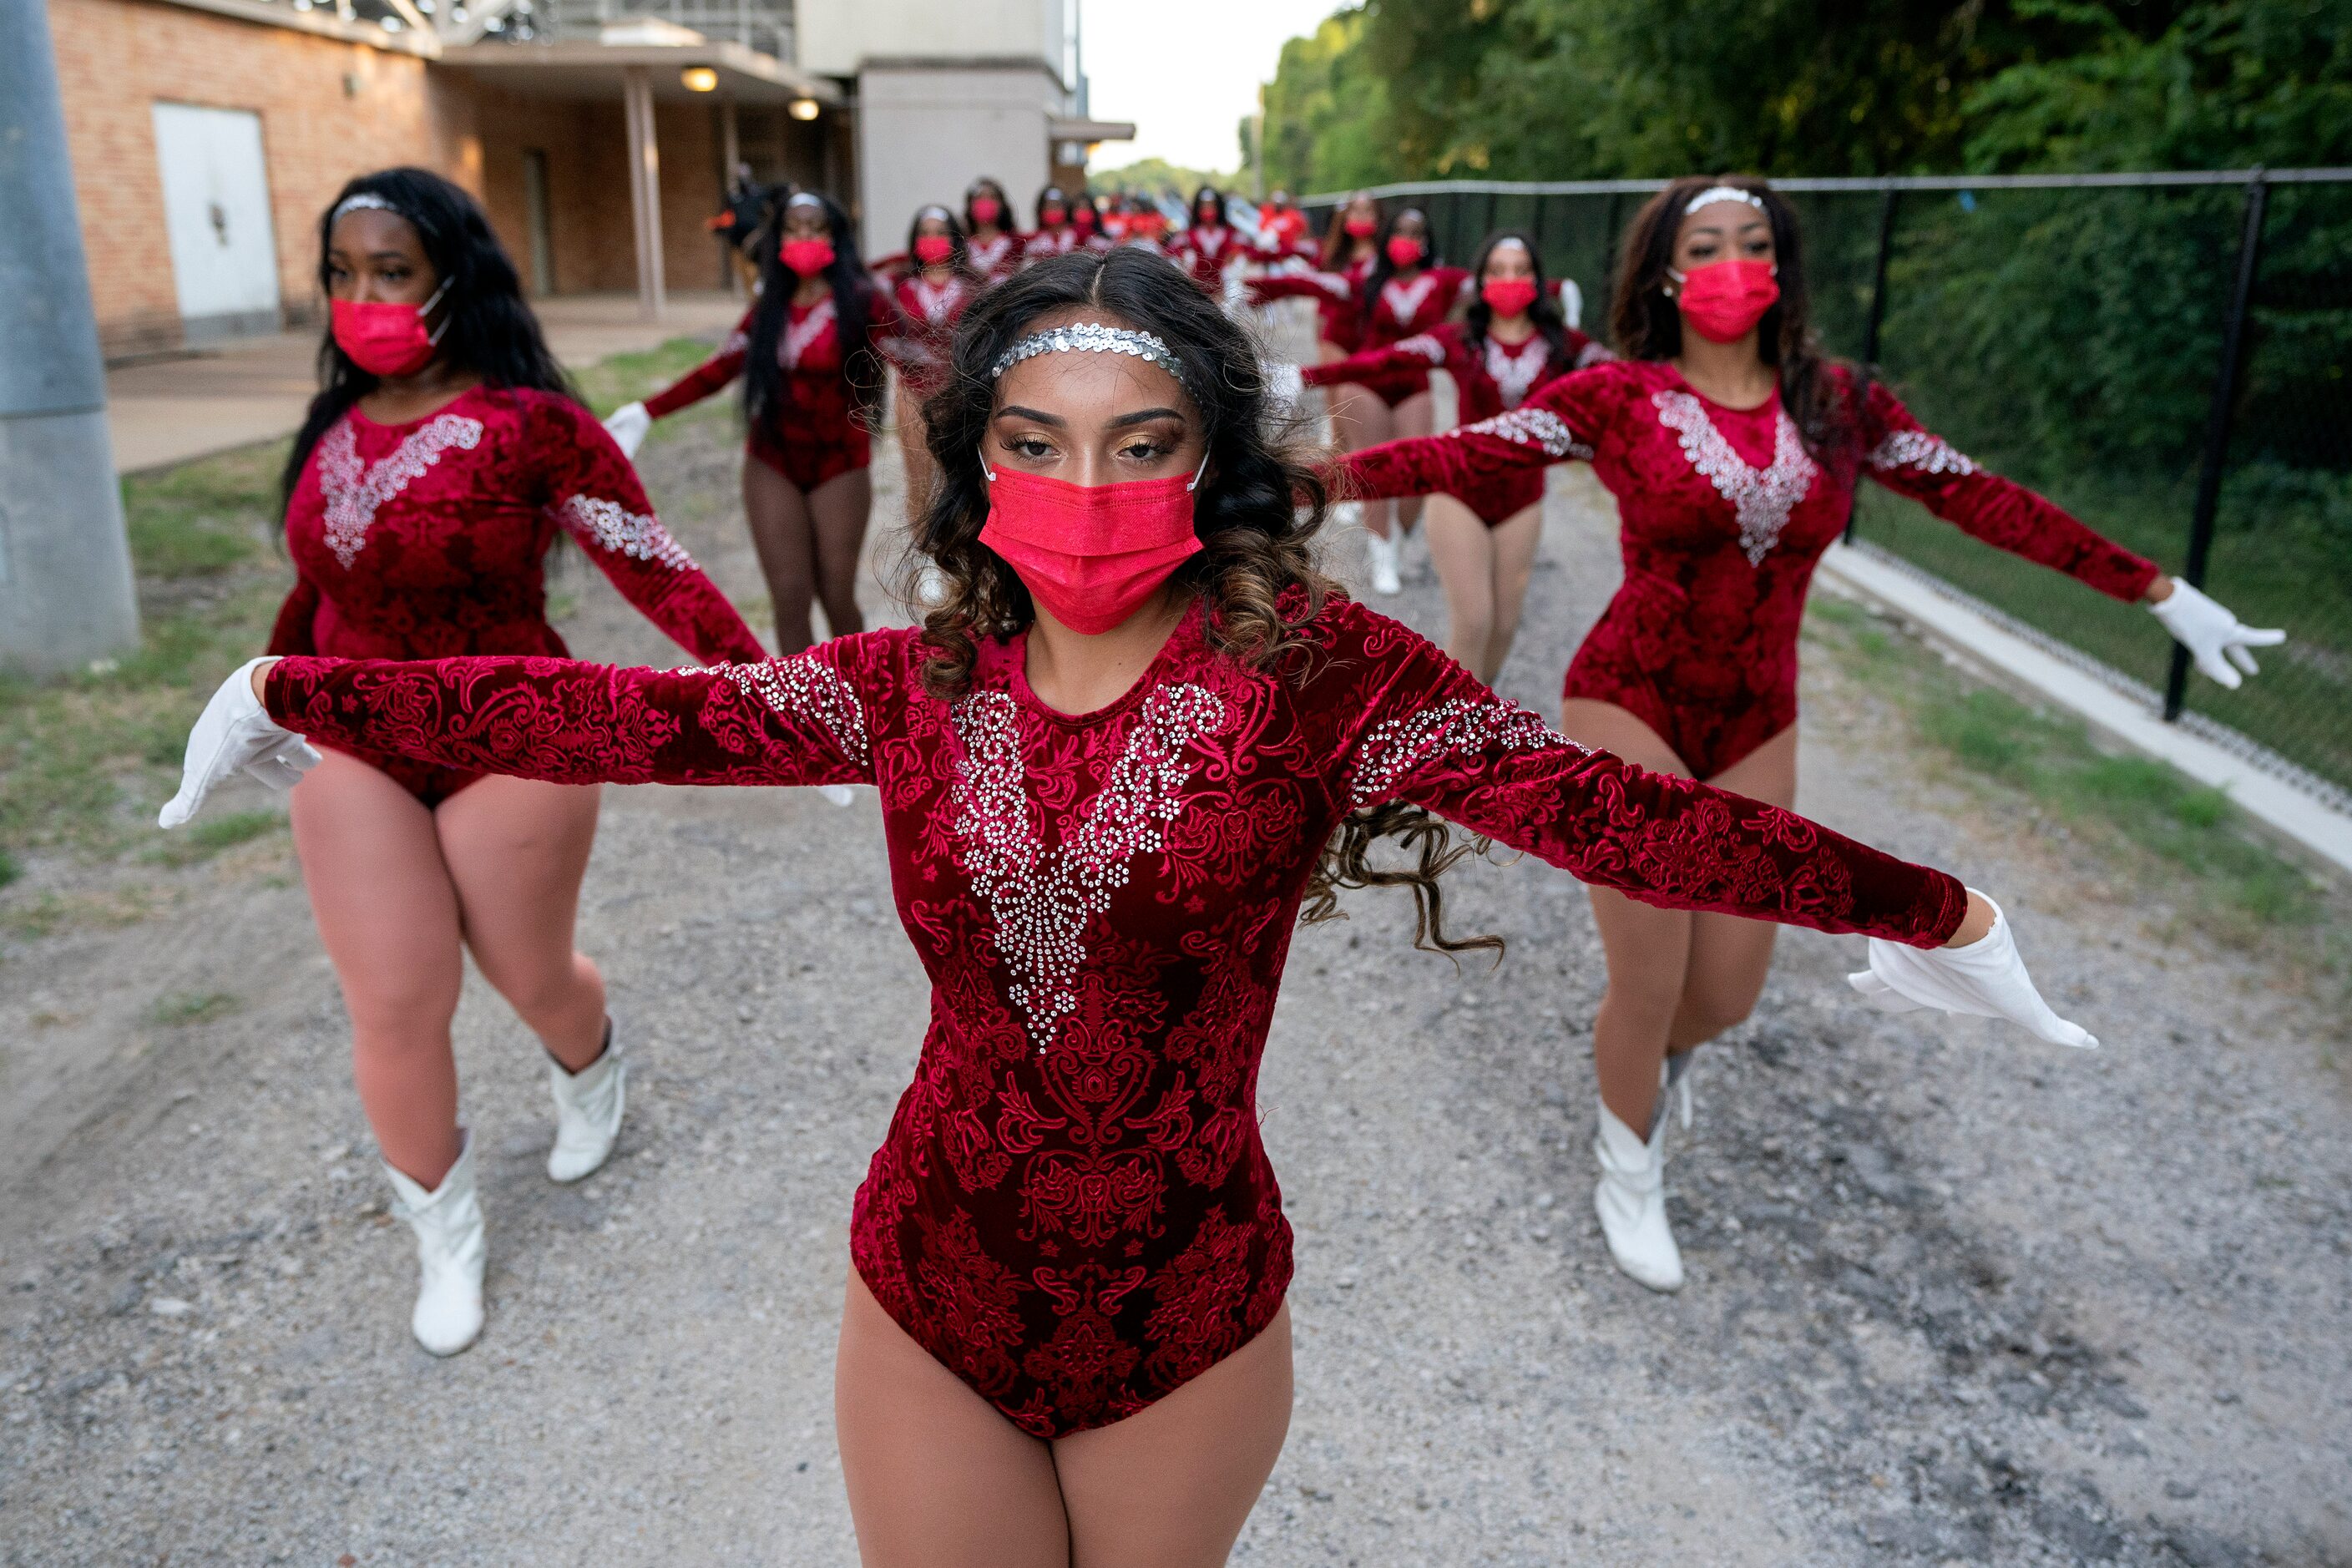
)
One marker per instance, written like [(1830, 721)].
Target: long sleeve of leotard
[(797, 720), (592, 493), (1560, 422), (1420, 353), (709, 377), (1331, 288), (1421, 728), (1912, 462), (296, 629)]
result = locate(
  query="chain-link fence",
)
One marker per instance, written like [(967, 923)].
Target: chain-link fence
[(2169, 356)]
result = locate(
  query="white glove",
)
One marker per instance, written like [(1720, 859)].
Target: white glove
[(234, 735), (2209, 631), (627, 427), (1284, 385), (1986, 979)]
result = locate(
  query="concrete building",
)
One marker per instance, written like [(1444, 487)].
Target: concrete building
[(597, 133)]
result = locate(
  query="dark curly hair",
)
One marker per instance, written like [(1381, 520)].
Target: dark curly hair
[(1256, 512), (1645, 324)]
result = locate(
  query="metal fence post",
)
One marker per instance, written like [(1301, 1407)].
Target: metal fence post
[(2217, 422), (1877, 314)]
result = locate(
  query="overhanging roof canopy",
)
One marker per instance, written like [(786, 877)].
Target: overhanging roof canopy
[(585, 69), (1066, 130)]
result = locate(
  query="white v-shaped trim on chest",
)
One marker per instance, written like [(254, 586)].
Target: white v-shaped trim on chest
[(1404, 300), (353, 490), (801, 336), (1514, 373), (1762, 499), (937, 302), (1043, 899)]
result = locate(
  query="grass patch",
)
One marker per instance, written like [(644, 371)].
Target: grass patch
[(181, 1009), (631, 378), (85, 760), (202, 840), (9, 869), (2150, 824)]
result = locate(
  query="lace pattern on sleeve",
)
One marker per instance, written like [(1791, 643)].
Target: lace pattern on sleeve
[(609, 525), (1538, 427), (802, 689), (1918, 449), (1400, 750)]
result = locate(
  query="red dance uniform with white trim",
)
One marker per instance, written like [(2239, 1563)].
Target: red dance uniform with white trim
[(1206, 250), (1492, 377), (815, 433), (1072, 1209), (1724, 515), (1048, 242), (1338, 316), (928, 313), (430, 538), (1399, 309), (999, 258)]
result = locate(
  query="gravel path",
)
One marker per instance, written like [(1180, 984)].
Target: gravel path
[(1954, 1297)]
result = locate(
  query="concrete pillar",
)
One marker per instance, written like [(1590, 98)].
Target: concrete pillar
[(645, 186), (66, 593)]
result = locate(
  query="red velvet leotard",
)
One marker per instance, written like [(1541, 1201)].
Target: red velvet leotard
[(1072, 1209), (428, 538), (998, 258), (1205, 251), (1399, 309), (929, 312), (1044, 242), (1724, 514), (816, 434), (1491, 376)]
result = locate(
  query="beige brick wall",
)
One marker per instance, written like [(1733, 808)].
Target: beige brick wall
[(330, 111)]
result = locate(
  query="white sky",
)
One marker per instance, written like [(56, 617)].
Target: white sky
[(1185, 72)]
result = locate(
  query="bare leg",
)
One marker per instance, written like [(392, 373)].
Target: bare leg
[(778, 516), (936, 1478), (839, 510), (1464, 557), (915, 454), (517, 849), (1416, 415), (387, 913), (1514, 541), (1360, 419), (1729, 957), (1171, 1485)]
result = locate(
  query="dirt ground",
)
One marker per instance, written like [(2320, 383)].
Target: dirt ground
[(1954, 1297)]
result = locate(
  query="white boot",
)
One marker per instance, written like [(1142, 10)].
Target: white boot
[(1631, 1202), (1678, 1077), (449, 1251), (1384, 554), (588, 1106)]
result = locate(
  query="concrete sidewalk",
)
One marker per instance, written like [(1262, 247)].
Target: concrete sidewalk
[(167, 411)]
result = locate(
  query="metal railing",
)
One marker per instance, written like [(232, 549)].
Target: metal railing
[(2167, 355)]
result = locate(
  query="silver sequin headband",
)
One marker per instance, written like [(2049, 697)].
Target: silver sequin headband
[(1089, 337), (363, 199), (805, 199), (1723, 194)]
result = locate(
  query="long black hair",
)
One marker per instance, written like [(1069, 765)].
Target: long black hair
[(1052, 196), (1005, 222), (487, 328), (1210, 193), (1545, 312), (764, 381), (1646, 323), (1259, 504)]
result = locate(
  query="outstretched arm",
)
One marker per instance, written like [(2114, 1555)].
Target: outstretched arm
[(593, 495), (1558, 425), (1416, 353), (706, 378)]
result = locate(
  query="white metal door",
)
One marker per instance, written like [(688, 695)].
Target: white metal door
[(217, 212)]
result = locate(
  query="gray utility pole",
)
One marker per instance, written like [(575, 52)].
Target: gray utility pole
[(66, 593)]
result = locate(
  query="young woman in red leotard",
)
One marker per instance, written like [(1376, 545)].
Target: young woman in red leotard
[(990, 244), (425, 489), (1209, 244), (1733, 448), (1055, 234), (938, 284), (809, 353), (1510, 341), (1112, 762)]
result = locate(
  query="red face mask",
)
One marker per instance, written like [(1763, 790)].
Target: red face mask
[(932, 249), (985, 209), (1051, 216), (1083, 220), (1403, 251), (806, 257), (1508, 296), (1361, 228), (1722, 300), (1091, 554), (385, 338)]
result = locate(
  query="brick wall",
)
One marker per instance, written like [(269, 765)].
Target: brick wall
[(329, 110)]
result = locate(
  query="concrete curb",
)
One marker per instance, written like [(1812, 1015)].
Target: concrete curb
[(2307, 828)]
